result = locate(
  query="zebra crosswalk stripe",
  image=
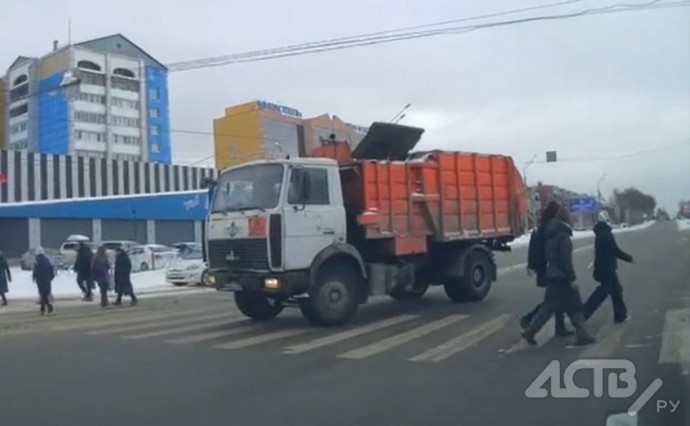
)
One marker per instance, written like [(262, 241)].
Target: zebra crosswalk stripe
[(462, 342), (184, 329), (401, 338), (198, 338), (344, 335), (675, 339), (546, 335), (267, 337), (158, 324)]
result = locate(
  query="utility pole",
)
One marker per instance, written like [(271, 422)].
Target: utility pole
[(527, 191)]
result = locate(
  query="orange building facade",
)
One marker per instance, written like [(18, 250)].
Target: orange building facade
[(261, 130)]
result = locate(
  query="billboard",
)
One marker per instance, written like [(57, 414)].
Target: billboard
[(582, 205)]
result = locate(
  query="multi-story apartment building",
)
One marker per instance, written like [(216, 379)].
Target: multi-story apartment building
[(118, 111)]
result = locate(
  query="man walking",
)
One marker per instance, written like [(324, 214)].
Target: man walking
[(561, 291), (43, 275), (123, 282), (606, 255), (82, 266), (536, 262)]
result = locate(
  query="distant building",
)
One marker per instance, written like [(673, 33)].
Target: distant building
[(260, 129), (2, 113), (119, 111)]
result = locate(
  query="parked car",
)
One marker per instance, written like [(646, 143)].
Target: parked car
[(187, 268), (68, 249), (29, 258), (151, 256), (110, 246)]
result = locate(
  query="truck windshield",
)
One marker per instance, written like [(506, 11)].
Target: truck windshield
[(251, 187)]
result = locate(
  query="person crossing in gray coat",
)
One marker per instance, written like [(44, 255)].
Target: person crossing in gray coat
[(562, 293)]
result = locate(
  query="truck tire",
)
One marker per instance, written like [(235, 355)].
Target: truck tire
[(400, 294), (257, 306), (475, 283), (335, 297)]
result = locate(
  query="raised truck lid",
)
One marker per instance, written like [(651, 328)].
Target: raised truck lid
[(387, 141)]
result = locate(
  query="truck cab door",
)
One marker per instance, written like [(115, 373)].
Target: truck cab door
[(314, 214)]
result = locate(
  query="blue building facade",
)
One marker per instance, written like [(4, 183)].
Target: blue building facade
[(158, 130), (53, 120)]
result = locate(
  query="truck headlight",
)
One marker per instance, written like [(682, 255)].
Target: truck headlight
[(193, 267), (272, 283)]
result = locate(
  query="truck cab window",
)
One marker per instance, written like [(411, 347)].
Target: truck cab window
[(318, 186)]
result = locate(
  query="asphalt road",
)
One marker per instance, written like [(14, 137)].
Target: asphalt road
[(192, 360)]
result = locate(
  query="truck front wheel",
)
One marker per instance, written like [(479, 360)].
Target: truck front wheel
[(475, 283), (334, 298), (257, 306)]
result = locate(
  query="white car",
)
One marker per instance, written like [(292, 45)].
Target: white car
[(151, 256), (68, 249), (187, 268)]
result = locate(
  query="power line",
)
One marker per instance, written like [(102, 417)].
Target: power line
[(405, 34), (617, 157)]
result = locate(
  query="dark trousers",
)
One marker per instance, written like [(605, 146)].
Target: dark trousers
[(103, 288), (559, 316), (4, 298), (608, 286), (85, 284), (44, 290), (125, 290), (564, 298)]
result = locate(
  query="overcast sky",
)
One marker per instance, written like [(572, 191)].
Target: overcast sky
[(599, 88)]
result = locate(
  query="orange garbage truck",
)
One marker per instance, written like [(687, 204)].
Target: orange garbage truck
[(326, 232)]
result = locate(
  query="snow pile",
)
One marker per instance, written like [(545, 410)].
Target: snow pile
[(683, 224), (65, 284), (523, 240)]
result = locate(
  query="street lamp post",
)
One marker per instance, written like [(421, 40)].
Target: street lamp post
[(527, 191), (599, 186)]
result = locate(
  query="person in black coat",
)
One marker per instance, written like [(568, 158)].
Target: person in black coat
[(5, 277), (606, 255), (82, 266), (123, 283), (43, 274), (536, 263), (561, 291)]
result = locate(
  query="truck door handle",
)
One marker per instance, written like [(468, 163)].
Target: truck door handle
[(329, 231)]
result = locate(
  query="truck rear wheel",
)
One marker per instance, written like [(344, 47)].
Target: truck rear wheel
[(257, 306), (335, 297), (475, 284), (401, 294)]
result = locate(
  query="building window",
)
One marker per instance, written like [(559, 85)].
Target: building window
[(88, 65), (19, 93), (20, 144), (154, 94), (125, 84), (154, 130), (125, 121), (16, 112), (89, 117), (20, 80), (127, 140), (124, 103), (85, 135), (93, 79), (124, 72), (153, 112), (88, 97), (18, 128)]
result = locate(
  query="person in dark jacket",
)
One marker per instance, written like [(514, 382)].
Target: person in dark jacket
[(606, 255), (82, 266), (43, 274), (100, 271), (123, 283), (561, 291), (536, 263), (5, 278)]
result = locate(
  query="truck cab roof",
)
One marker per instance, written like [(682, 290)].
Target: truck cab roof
[(296, 161)]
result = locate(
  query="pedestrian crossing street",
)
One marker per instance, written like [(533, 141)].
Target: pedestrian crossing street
[(420, 338)]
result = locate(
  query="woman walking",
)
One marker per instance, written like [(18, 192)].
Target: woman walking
[(123, 283), (5, 277), (100, 272), (43, 275)]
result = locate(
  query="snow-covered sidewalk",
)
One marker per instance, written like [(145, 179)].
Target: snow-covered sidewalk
[(524, 239), (65, 286), (683, 224)]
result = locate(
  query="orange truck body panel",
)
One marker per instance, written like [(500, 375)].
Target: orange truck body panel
[(435, 196)]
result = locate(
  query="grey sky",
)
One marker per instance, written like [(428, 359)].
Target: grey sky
[(590, 88)]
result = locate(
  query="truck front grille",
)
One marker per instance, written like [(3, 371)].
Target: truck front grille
[(245, 253)]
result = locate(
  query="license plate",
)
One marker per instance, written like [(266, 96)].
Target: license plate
[(233, 286)]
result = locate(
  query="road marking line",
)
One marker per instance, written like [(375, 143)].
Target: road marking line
[(508, 269), (268, 337), (88, 325), (68, 314), (546, 335), (167, 332), (339, 337), (462, 342), (401, 338), (675, 339), (606, 341), (198, 338), (159, 324)]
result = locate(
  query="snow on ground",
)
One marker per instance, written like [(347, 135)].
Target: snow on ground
[(65, 284), (524, 239), (683, 224)]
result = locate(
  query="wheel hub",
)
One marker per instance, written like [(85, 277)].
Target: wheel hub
[(478, 276), (334, 294)]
